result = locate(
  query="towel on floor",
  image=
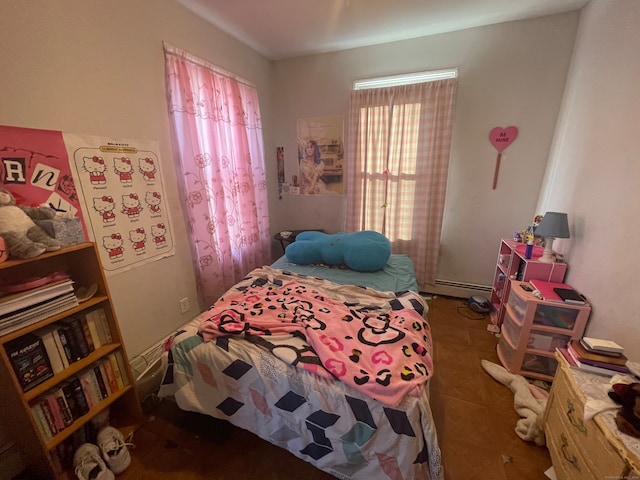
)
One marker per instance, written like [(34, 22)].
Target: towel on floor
[(529, 406)]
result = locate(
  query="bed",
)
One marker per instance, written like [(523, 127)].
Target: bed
[(332, 365)]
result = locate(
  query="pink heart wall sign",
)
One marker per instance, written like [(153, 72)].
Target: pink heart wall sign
[(501, 138)]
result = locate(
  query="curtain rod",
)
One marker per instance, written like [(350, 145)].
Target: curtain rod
[(178, 52)]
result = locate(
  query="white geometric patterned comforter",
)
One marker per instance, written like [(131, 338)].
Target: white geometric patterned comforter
[(320, 420)]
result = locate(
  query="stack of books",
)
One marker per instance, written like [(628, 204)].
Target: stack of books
[(603, 357), (60, 406), (18, 310)]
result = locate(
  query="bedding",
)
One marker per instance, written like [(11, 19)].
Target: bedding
[(336, 374), (397, 275)]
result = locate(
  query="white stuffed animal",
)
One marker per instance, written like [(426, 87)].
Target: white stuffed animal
[(23, 238)]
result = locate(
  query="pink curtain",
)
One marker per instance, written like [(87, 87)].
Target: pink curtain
[(399, 144), (217, 140)]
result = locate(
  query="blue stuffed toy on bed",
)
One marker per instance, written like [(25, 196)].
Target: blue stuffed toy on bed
[(365, 251)]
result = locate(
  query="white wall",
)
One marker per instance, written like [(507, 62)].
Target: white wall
[(594, 169), (510, 74), (96, 67)]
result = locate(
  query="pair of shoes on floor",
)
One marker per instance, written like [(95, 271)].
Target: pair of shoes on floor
[(90, 461)]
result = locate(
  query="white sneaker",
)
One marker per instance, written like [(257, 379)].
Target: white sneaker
[(114, 449), (89, 465)]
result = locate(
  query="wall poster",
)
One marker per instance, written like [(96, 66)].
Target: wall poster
[(120, 186), (34, 167), (320, 155)]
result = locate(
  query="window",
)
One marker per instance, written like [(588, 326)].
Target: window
[(399, 146)]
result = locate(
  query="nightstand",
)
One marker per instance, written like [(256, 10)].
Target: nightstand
[(579, 448)]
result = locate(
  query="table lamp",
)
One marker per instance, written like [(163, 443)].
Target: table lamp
[(553, 225)]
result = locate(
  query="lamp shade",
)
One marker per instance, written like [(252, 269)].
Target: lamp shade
[(553, 225)]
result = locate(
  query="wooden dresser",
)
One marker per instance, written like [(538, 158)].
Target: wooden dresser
[(586, 449)]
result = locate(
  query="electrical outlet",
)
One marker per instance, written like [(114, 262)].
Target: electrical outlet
[(184, 305)]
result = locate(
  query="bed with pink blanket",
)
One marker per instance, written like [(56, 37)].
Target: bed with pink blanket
[(336, 374)]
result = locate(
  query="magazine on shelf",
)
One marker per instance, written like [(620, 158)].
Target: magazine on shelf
[(9, 325), (24, 300)]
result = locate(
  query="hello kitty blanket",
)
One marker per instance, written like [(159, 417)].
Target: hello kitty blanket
[(376, 342)]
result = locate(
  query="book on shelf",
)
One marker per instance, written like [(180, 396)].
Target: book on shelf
[(111, 378), (48, 415), (116, 370), (55, 333), (74, 394), (48, 340), (93, 329), (602, 345), (102, 384), (71, 328), (87, 333), (576, 363), (122, 366), (90, 387), (99, 319), (41, 422), (54, 407), (569, 295), (29, 360), (58, 395)]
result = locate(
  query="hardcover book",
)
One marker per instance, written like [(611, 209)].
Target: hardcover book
[(74, 394), (74, 334), (596, 358), (604, 345), (569, 295), (29, 360), (608, 370)]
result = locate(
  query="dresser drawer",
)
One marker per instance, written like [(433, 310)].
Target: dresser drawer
[(578, 445), (568, 463)]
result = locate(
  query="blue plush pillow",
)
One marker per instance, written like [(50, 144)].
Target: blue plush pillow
[(365, 251)]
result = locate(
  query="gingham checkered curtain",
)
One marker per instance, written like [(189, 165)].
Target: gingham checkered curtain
[(399, 143)]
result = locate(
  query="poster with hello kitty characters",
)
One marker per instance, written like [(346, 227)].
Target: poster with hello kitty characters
[(120, 186)]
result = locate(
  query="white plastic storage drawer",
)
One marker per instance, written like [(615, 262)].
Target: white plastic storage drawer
[(510, 328), (518, 305), (506, 352), (546, 341), (539, 364), (555, 316)]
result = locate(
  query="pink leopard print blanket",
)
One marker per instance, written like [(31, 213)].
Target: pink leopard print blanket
[(376, 342)]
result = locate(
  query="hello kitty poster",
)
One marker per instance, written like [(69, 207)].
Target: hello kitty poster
[(120, 186)]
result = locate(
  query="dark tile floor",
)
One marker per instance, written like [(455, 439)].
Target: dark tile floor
[(474, 415)]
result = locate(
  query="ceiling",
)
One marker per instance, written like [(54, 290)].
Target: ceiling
[(281, 29)]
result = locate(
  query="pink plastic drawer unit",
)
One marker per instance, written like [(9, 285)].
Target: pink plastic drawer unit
[(511, 264), (533, 328)]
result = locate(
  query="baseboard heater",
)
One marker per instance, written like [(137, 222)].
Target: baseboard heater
[(456, 289)]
